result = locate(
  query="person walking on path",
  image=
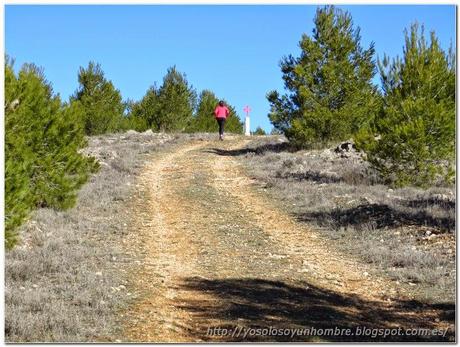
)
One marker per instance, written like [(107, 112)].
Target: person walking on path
[(221, 112)]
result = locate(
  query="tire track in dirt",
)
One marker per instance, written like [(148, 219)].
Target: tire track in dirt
[(158, 236), (217, 253), (315, 255)]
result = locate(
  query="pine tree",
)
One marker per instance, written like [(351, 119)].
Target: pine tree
[(43, 166), (18, 159), (145, 113), (259, 131), (330, 91), (233, 123), (131, 118), (415, 142), (101, 102), (204, 120), (176, 102)]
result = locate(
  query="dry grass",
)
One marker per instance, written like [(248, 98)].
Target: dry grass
[(64, 281), (407, 233)]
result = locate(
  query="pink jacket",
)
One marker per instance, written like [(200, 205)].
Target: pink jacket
[(221, 112)]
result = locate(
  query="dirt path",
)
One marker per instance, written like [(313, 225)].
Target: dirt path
[(217, 254)]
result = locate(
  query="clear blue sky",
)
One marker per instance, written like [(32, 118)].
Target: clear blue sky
[(232, 50)]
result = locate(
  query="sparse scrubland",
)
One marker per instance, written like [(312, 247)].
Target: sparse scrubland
[(370, 203), (387, 198), (46, 135), (63, 282), (407, 233), (69, 278)]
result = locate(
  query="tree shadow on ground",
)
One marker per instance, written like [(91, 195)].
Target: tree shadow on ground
[(270, 147), (256, 303), (431, 201), (314, 176), (380, 215)]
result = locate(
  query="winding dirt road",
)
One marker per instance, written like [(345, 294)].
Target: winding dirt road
[(220, 260)]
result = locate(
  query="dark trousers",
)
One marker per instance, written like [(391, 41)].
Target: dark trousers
[(221, 122)]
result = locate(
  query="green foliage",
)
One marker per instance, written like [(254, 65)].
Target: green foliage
[(416, 127), (130, 121), (259, 131), (101, 102), (144, 114), (176, 101), (168, 108), (330, 91), (204, 120), (42, 140)]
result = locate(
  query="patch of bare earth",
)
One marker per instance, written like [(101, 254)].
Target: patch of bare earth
[(217, 260)]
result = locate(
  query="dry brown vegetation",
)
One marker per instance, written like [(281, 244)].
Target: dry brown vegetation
[(406, 233), (62, 283), (71, 277), (213, 251)]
